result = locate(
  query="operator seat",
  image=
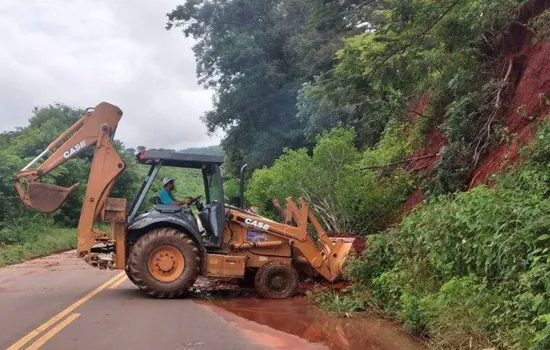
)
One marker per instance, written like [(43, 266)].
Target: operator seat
[(209, 218), (157, 199), (167, 208)]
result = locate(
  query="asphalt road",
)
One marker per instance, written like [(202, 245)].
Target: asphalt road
[(60, 303)]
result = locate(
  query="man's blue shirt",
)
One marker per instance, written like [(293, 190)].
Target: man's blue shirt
[(166, 197)]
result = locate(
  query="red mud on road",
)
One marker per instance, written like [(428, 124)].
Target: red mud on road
[(263, 320)]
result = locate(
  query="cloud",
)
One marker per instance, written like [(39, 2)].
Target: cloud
[(82, 52)]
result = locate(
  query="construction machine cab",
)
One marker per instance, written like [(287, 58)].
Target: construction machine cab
[(211, 213)]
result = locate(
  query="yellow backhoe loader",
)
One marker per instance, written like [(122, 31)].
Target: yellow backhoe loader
[(163, 250)]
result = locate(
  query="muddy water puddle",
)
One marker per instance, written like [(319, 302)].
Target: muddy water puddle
[(299, 318)]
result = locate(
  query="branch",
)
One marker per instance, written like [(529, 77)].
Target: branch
[(404, 48), (399, 162), (418, 114), (504, 82), (473, 179), (481, 145), (323, 210), (418, 168)]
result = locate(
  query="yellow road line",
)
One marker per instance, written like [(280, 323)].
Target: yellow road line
[(62, 314), (40, 341), (118, 283)]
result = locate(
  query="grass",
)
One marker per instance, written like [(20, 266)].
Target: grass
[(52, 241), (345, 302), (337, 304)]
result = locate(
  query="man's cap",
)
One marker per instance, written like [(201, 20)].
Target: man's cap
[(167, 180)]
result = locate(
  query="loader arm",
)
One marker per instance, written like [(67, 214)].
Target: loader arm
[(324, 254), (96, 128)]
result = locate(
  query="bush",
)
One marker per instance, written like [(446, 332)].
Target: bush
[(457, 314), (44, 242), (345, 198), (338, 303), (25, 229), (231, 188), (471, 269)]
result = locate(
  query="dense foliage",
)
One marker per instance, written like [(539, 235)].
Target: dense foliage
[(282, 74), (441, 49), (256, 55), (346, 198), (472, 267), (317, 90)]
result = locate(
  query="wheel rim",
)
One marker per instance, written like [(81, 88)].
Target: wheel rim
[(166, 263), (278, 283)]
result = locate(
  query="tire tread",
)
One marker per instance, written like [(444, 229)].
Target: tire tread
[(139, 273)]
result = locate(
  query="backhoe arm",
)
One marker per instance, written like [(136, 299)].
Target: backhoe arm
[(95, 128)]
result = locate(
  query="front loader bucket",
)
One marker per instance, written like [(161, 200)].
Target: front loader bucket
[(47, 198), (343, 248)]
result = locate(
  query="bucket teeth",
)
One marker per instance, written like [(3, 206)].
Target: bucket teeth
[(47, 198)]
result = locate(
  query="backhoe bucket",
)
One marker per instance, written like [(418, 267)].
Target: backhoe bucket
[(343, 249), (47, 198)]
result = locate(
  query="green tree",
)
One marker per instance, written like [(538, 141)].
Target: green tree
[(412, 48), (256, 55)]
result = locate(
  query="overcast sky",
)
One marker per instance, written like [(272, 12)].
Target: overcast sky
[(82, 52)]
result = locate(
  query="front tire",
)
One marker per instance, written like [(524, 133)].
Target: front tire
[(164, 263), (276, 280)]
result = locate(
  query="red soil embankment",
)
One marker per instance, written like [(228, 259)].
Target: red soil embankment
[(530, 105), (526, 105)]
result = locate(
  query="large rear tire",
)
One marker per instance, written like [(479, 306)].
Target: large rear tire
[(276, 280), (164, 263)]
